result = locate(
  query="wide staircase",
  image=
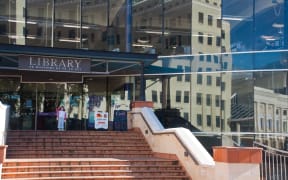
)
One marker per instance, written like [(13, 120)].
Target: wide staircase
[(107, 155)]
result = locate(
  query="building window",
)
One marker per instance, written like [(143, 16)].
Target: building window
[(225, 66), (154, 96), (284, 126), (186, 116), (39, 31), (178, 96), (209, 80), (222, 124), (199, 78), (187, 74), (261, 123), (223, 50), (72, 34), (200, 37), (277, 125), (269, 124), (199, 99), (285, 112), (210, 20), (209, 40), (222, 105), (186, 96), (219, 23), (201, 57), (201, 17), (218, 121), (118, 39), (209, 57), (3, 29), (179, 77), (222, 34), (223, 84), (208, 99), (277, 111), (208, 69), (208, 120), (218, 41), (216, 59), (218, 81), (217, 100), (59, 34), (199, 120)]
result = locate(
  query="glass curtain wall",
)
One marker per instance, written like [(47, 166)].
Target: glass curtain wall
[(12, 21), (39, 23), (79, 24), (265, 32), (234, 79), (67, 25)]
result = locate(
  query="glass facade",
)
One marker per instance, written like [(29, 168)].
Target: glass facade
[(224, 62), (33, 104)]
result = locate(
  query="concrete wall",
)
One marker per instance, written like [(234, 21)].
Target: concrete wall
[(197, 162)]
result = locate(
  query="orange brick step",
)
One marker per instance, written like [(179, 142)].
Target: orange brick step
[(152, 168), (76, 144), (107, 155), (107, 178)]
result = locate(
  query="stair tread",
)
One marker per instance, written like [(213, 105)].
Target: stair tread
[(104, 177), (84, 171), (98, 165), (86, 159)]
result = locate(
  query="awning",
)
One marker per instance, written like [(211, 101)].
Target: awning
[(102, 62), (152, 69)]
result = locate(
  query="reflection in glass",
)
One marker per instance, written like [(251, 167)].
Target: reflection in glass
[(39, 23), (67, 24)]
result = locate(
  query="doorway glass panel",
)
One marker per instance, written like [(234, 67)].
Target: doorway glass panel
[(49, 97), (27, 107), (10, 94)]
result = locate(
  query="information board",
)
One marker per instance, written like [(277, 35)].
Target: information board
[(101, 120)]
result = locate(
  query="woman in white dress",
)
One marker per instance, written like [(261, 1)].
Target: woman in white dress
[(61, 118)]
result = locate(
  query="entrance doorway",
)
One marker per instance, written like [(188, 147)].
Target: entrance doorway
[(39, 102), (33, 105)]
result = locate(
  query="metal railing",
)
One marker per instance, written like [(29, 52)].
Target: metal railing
[(274, 163)]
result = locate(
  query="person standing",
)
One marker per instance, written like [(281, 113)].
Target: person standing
[(61, 118)]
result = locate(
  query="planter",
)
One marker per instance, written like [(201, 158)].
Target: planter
[(139, 104), (237, 154)]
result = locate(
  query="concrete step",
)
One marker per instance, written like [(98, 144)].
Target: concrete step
[(107, 178), (102, 168)]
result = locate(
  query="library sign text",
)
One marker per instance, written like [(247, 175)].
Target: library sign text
[(61, 64)]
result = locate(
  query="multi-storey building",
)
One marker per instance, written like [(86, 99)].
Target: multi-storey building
[(202, 94), (203, 57)]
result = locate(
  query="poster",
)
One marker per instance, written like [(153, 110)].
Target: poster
[(101, 120)]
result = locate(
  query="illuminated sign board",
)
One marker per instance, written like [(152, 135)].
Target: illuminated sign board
[(59, 64)]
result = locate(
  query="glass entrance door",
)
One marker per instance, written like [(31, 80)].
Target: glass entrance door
[(49, 97)]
